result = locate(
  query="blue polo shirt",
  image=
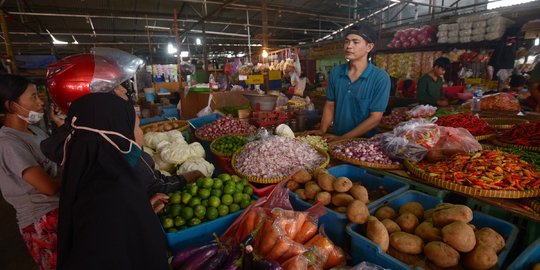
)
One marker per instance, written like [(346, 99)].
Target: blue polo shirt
[(354, 101)]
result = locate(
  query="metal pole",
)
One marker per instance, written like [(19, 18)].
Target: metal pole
[(264, 18), (249, 35), (178, 50), (7, 42), (149, 42)]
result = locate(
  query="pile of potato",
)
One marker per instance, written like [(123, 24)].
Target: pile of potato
[(339, 194), (163, 126), (439, 237)]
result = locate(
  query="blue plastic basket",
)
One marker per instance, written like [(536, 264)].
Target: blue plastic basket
[(365, 250), (528, 258), (170, 111), (335, 222)]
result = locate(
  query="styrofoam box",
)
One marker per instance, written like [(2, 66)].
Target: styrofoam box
[(443, 27), (465, 25), (453, 27), (477, 38), (443, 40), (480, 24), (452, 34), (453, 40)]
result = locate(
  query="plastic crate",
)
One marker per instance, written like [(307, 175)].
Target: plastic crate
[(364, 249), (170, 111), (335, 222), (528, 258)]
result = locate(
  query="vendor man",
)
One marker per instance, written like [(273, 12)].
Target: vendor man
[(430, 86), (357, 92)]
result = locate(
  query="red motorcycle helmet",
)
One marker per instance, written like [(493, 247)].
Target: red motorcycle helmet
[(77, 75)]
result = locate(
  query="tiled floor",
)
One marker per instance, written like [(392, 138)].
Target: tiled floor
[(13, 252)]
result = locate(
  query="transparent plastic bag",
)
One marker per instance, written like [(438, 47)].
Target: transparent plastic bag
[(334, 255), (397, 147), (419, 131), (206, 110), (422, 111), (367, 266), (453, 141)]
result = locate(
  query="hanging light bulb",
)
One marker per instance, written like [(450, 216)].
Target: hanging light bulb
[(264, 54)]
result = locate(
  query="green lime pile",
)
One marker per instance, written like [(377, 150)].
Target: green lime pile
[(204, 200), (228, 144)]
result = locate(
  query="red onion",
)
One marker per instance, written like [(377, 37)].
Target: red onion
[(368, 151), (224, 126)]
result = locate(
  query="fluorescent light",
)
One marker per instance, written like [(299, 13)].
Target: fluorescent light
[(537, 42), (240, 54), (171, 49), (492, 4), (55, 41), (184, 54), (157, 27), (395, 1), (74, 40), (198, 41), (264, 54)]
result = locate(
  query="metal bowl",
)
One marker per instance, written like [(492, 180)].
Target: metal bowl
[(261, 102)]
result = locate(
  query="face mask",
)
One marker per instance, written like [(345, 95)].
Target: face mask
[(131, 155), (33, 117)]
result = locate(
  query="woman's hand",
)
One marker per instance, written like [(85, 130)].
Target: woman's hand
[(158, 202), (193, 176)]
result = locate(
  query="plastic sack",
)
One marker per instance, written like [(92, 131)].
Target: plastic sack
[(496, 102), (397, 147), (367, 266), (206, 110), (453, 141), (334, 255), (422, 111), (419, 131)]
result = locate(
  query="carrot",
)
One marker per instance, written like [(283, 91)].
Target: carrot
[(270, 238), (335, 258), (297, 225), (281, 247), (296, 263), (294, 250), (249, 221), (262, 233), (306, 232)]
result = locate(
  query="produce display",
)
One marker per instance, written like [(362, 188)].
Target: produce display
[(422, 111), (526, 135), (475, 125), (439, 237), (224, 126), (497, 102), (276, 157), (227, 145), (204, 200), (419, 132), (397, 116), (315, 140), (164, 126), (413, 37), (362, 150), (487, 169)]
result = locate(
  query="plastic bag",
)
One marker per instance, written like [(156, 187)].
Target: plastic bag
[(334, 255), (367, 266), (397, 147), (453, 141), (422, 111), (206, 110), (497, 102), (419, 131), (312, 259)]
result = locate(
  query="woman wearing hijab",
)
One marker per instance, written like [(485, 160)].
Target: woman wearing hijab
[(106, 220), (27, 178)]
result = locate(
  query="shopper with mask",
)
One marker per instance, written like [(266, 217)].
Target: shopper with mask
[(106, 220), (27, 178)]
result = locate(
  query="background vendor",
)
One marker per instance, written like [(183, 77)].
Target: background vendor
[(430, 86)]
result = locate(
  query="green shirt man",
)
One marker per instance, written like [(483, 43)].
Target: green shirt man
[(429, 89)]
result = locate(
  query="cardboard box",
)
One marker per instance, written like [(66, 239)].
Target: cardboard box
[(193, 102), (171, 86)]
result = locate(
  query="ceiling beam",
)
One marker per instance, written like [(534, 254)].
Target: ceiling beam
[(209, 15)]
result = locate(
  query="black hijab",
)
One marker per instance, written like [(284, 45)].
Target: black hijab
[(106, 220)]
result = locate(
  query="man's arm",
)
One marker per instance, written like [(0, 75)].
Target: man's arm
[(328, 116), (367, 125)]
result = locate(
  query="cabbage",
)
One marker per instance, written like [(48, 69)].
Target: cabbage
[(178, 153), (148, 150), (151, 139), (162, 165), (196, 164), (161, 145), (175, 136), (284, 131), (165, 173)]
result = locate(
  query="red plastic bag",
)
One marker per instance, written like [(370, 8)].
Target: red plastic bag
[(453, 141)]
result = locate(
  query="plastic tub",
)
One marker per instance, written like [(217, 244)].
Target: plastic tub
[(528, 258), (260, 102), (364, 249), (335, 222)]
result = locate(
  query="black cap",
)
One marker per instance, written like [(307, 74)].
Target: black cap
[(364, 30)]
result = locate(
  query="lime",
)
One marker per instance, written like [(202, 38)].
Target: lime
[(237, 197), (194, 221), (175, 210), (187, 213), (244, 181), (170, 194), (208, 182), (224, 176), (179, 221), (214, 201), (223, 210), (211, 213), (192, 189), (218, 183), (229, 189), (234, 207), (175, 198), (248, 190), (166, 210), (204, 202), (186, 198), (204, 193), (199, 182), (246, 197), (172, 230), (216, 192), (199, 211), (227, 199), (235, 178), (194, 201), (183, 227), (239, 187), (169, 223), (245, 203)]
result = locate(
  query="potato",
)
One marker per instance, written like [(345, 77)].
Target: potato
[(459, 235), (319, 171), (481, 257), (536, 266), (490, 238), (385, 212), (441, 254), (428, 214), (326, 181), (341, 199), (341, 209), (324, 197), (293, 185), (406, 243), (359, 192), (311, 190), (448, 214), (409, 259), (357, 212), (428, 232), (377, 233), (391, 226), (342, 184), (301, 193), (413, 207), (407, 222), (301, 176)]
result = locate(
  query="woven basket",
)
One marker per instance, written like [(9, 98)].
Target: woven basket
[(182, 125), (484, 137), (275, 179), (387, 127), (201, 138), (436, 181), (359, 162), (504, 123), (523, 147)]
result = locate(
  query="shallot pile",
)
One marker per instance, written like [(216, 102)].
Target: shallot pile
[(397, 116), (368, 151), (224, 126), (277, 157)]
